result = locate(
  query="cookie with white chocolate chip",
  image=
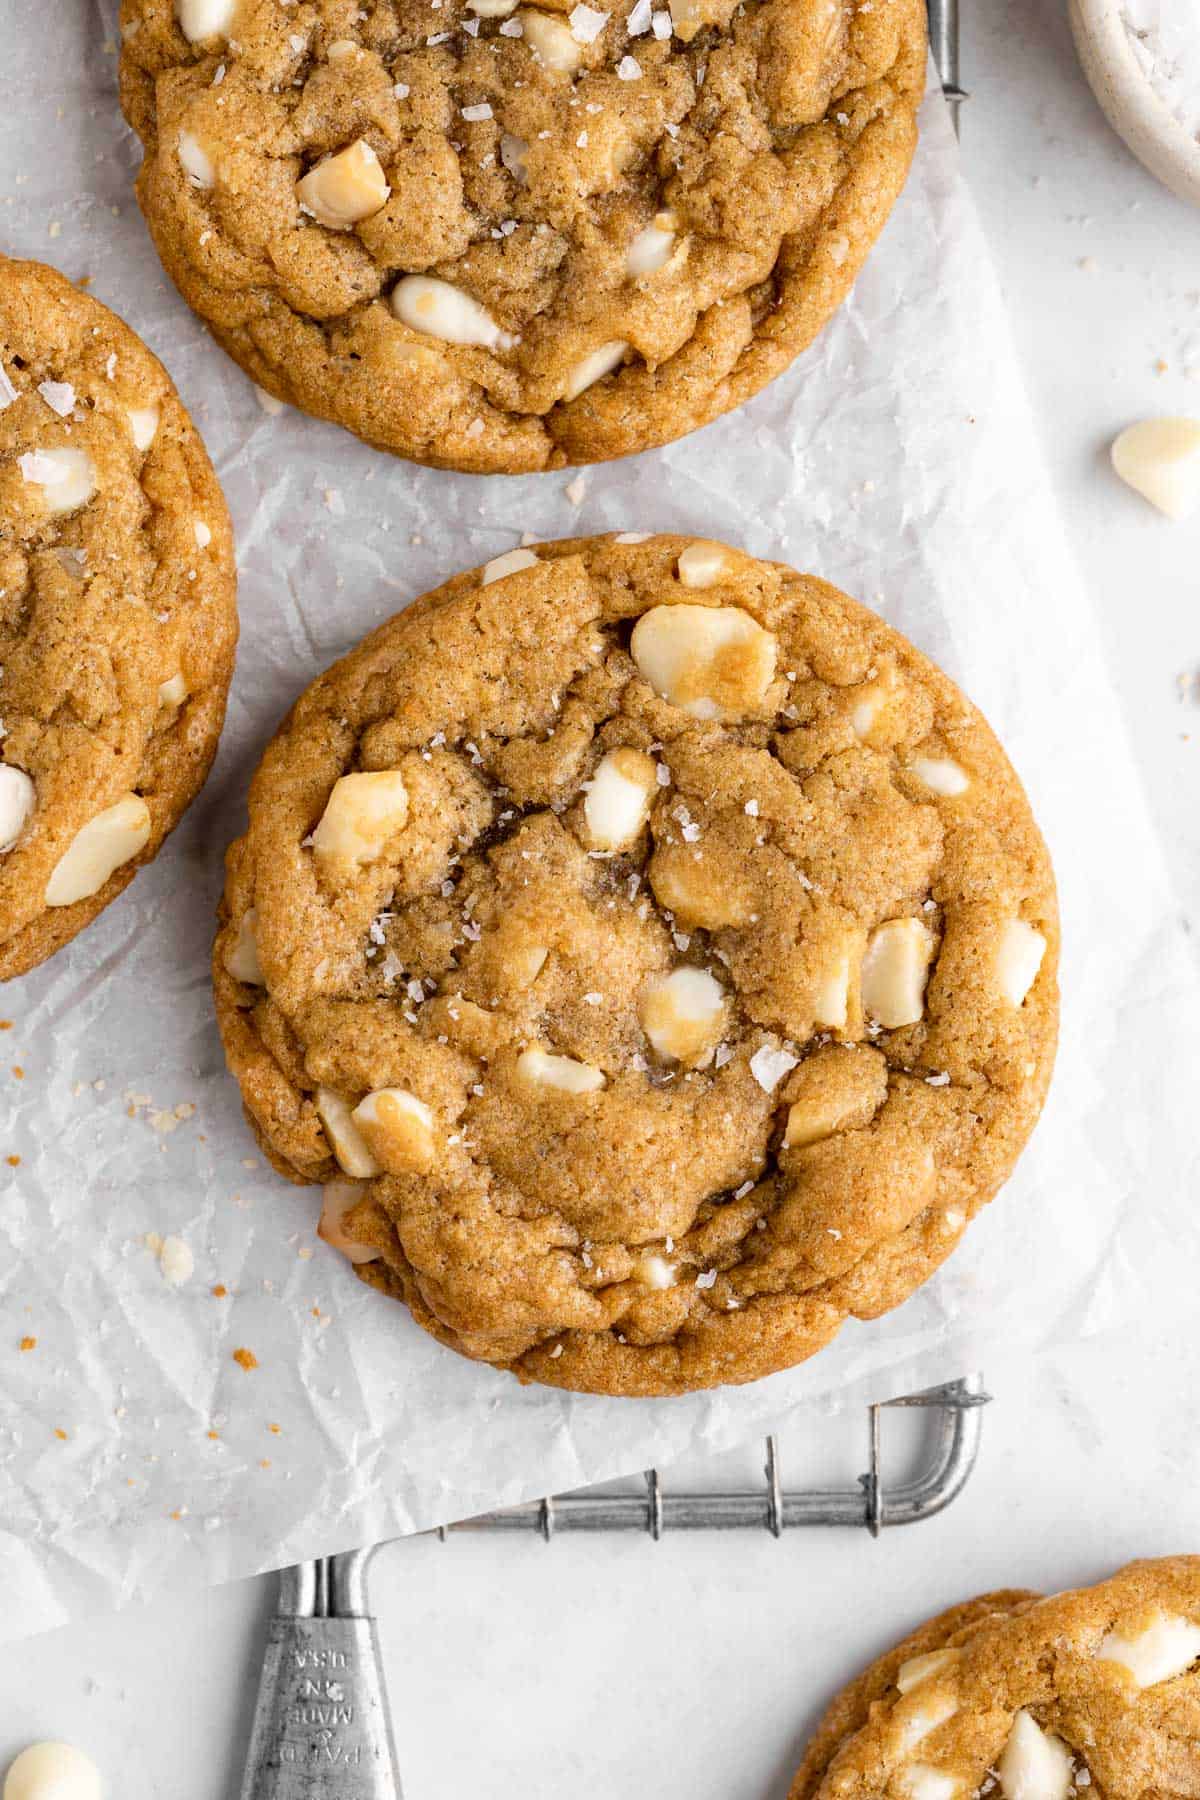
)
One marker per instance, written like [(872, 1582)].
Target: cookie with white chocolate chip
[(118, 615), (498, 236), (1020, 1698), (654, 954)]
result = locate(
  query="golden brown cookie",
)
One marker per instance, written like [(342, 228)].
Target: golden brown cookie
[(1091, 1692), (654, 953), (118, 614), (498, 237)]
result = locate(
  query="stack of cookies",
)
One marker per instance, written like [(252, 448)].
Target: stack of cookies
[(649, 952)]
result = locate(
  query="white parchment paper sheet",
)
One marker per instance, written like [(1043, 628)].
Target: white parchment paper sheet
[(897, 460)]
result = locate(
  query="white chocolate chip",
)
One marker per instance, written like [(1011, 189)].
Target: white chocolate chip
[(17, 799), (338, 1196), (594, 367), (921, 1782), (345, 1139), (1164, 1648), (617, 802), (53, 1772), (703, 564), (550, 40), (652, 248), (1160, 459), (173, 692), (1034, 1765), (241, 959), (67, 478), (203, 533), (492, 9), (101, 847), (509, 564), (940, 775), (657, 1272), (541, 1069), (831, 997), (917, 1669), (895, 970), (711, 661), (398, 1130), (345, 188), (364, 811), (513, 154), (924, 1715), (443, 311), (195, 160), (143, 426), (200, 19), (1019, 956), (683, 1014)]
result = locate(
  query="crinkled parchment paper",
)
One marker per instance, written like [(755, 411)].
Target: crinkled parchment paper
[(896, 459)]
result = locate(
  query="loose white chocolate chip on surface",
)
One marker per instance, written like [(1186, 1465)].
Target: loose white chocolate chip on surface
[(1160, 459), (683, 1014), (1019, 956), (542, 1069), (241, 959), (362, 814), (53, 1771), (940, 775), (617, 802), (345, 1140), (1164, 1648), (338, 1196), (711, 661), (443, 311), (894, 972), (345, 188), (195, 160), (657, 1272), (143, 426), (398, 1130), (703, 564), (67, 478), (594, 367), (550, 40), (652, 248), (101, 847), (199, 19), (921, 1782), (509, 564), (1034, 1765), (172, 692), (17, 799)]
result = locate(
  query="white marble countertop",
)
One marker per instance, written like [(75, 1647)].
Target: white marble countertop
[(693, 1667)]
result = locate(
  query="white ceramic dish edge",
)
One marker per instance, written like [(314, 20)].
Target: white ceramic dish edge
[(1131, 105)]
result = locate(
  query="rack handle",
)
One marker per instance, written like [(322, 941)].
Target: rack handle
[(322, 1730)]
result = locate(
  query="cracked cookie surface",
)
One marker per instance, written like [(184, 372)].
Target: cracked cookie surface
[(501, 237), (118, 616), (653, 952), (1095, 1691)]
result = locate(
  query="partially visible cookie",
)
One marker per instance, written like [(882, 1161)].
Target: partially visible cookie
[(653, 952), (1096, 1691), (118, 616), (499, 236)]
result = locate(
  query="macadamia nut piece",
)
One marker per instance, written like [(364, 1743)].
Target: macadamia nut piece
[(618, 796), (67, 478), (542, 1069), (200, 19), (712, 662), (894, 972), (1160, 459), (345, 188), (398, 1130), (683, 1014), (550, 40), (363, 813), (17, 800), (443, 311), (101, 847), (345, 1140), (1164, 1647)]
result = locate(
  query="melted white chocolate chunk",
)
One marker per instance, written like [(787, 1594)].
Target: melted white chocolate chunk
[(543, 1069), (98, 850), (1019, 956), (1165, 1647), (1034, 1765), (511, 563), (53, 1771), (67, 478), (683, 1014), (594, 367), (17, 800), (241, 959), (363, 813), (398, 1130), (617, 799), (711, 661), (200, 19), (441, 310), (346, 188), (917, 1669), (895, 970), (345, 1139)]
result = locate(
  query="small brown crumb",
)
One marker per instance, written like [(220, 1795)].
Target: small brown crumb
[(245, 1359), (215, 1436), (220, 1291), (60, 1434), (177, 1515), (28, 1343), (265, 1463), (13, 1161), (275, 1430), (6, 1024), (18, 1071)]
